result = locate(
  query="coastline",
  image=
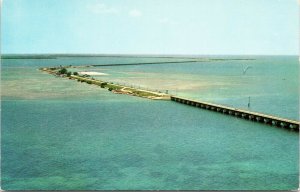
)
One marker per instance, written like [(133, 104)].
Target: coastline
[(114, 88)]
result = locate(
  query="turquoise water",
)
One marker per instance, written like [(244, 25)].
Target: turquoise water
[(61, 134), (271, 81)]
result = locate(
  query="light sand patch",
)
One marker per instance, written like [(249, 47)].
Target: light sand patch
[(91, 73)]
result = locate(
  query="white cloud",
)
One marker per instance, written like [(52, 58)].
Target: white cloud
[(101, 8), (135, 13)]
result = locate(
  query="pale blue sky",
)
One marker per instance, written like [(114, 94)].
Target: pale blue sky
[(265, 27)]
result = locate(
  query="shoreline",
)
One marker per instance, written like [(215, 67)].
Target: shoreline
[(114, 88)]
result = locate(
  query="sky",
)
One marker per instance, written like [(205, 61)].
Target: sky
[(196, 27)]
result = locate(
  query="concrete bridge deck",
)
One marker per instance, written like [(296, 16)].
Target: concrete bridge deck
[(248, 115)]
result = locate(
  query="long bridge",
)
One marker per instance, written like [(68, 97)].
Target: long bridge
[(244, 114)]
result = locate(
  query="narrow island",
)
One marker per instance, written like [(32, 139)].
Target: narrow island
[(114, 88)]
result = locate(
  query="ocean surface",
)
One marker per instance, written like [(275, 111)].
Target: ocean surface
[(58, 134)]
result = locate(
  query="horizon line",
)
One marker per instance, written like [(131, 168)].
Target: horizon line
[(145, 54)]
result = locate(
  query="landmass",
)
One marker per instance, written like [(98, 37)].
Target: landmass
[(84, 77)]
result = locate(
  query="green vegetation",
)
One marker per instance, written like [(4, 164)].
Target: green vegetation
[(97, 83), (114, 87), (141, 93), (144, 94), (69, 74), (63, 71), (102, 85)]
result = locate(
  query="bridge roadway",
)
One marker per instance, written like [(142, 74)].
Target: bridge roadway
[(248, 115)]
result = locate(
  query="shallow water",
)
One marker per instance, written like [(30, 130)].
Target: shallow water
[(61, 134), (272, 83)]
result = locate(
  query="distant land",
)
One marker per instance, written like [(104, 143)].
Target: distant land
[(55, 56), (178, 56)]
